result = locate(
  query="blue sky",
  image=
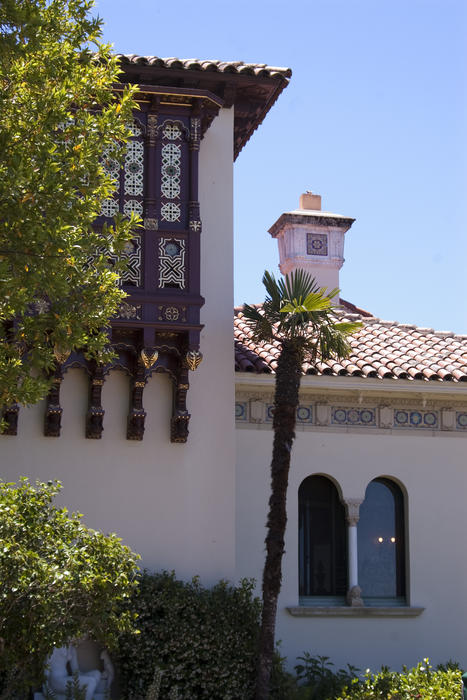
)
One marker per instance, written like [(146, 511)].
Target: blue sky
[(374, 120)]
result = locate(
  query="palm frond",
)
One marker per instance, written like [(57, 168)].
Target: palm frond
[(295, 308), (347, 327), (259, 323)]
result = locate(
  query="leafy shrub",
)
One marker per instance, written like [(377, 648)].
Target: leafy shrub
[(59, 580), (318, 681), (204, 641), (283, 685), (421, 682)]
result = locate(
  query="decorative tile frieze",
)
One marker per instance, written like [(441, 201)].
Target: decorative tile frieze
[(241, 411), (304, 414), (428, 420), (256, 411), (322, 413), (316, 413), (353, 416), (386, 417), (448, 419)]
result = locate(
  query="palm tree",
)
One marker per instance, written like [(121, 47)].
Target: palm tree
[(299, 316)]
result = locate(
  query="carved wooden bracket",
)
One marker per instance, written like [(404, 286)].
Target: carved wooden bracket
[(53, 411), (10, 416), (95, 414), (137, 414), (180, 416)]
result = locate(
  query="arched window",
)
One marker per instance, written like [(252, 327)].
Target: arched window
[(322, 542), (381, 539)]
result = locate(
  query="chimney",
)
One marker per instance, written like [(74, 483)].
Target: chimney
[(308, 200), (312, 240)]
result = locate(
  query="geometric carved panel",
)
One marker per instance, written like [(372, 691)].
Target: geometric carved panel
[(172, 262), (132, 256)]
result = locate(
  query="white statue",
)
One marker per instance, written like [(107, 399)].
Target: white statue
[(94, 682)]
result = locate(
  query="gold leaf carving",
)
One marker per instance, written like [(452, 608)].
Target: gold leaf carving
[(149, 357), (193, 359), (61, 355)]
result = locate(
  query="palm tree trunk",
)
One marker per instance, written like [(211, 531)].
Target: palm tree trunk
[(288, 376)]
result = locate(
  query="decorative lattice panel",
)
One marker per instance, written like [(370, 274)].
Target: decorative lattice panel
[(129, 197), (132, 256), (172, 270), (134, 169), (111, 168), (171, 172)]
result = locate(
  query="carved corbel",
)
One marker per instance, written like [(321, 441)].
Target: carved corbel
[(180, 416), (95, 414), (10, 418), (53, 411), (137, 415)]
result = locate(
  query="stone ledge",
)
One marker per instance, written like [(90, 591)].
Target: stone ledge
[(343, 611)]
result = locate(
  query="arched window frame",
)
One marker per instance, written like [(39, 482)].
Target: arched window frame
[(338, 572), (400, 597)]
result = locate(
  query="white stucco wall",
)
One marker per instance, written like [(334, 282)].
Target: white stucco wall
[(172, 503), (433, 473)]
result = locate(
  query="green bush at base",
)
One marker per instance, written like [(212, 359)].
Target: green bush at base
[(421, 683), (204, 641)]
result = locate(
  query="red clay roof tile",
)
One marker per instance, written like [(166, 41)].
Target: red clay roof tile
[(380, 349)]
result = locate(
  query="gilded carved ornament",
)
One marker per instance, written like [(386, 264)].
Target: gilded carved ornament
[(61, 355), (193, 359), (149, 357)]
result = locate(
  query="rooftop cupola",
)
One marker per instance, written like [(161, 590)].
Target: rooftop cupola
[(312, 240)]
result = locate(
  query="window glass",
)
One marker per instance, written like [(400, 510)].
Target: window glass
[(322, 539), (381, 541)]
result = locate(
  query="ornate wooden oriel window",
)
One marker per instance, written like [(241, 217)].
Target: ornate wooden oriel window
[(157, 328)]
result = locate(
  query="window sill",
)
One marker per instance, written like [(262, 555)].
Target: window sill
[(346, 611)]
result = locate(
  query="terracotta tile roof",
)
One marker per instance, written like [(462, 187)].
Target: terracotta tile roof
[(260, 70), (250, 88), (380, 349)]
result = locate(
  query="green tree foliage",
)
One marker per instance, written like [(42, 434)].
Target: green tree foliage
[(197, 642), (58, 581), (59, 119), (298, 316)]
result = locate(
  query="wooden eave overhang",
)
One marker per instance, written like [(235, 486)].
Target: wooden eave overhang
[(251, 89)]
